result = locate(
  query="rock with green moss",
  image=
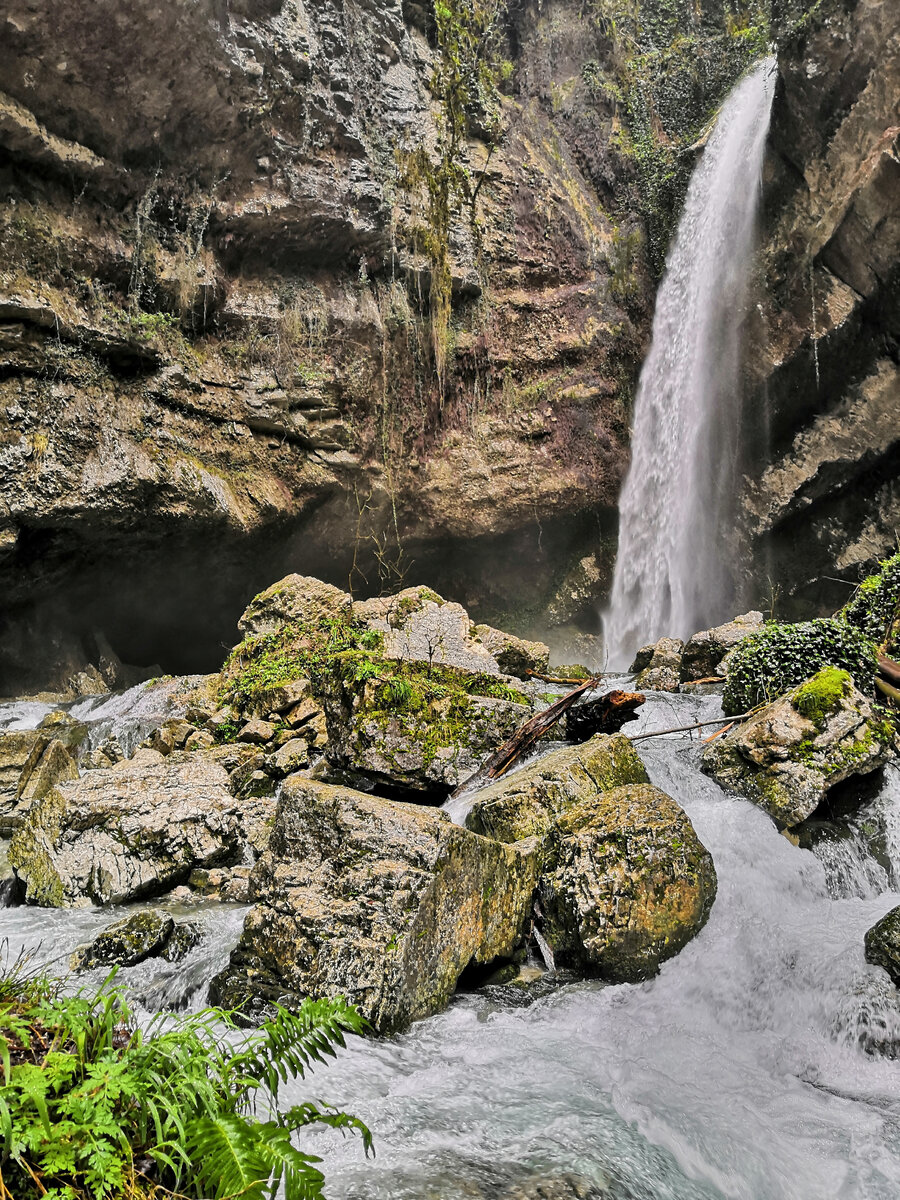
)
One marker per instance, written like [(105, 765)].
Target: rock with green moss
[(779, 657), (883, 945), (788, 756), (116, 836), (298, 599), (529, 802), (151, 933), (382, 902), (127, 942), (626, 883), (419, 731), (61, 726)]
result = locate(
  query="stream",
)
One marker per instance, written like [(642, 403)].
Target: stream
[(749, 1068)]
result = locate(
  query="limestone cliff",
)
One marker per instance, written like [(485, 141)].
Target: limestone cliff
[(825, 394), (212, 359)]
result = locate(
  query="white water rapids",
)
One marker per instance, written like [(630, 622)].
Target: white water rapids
[(674, 573), (748, 1069)]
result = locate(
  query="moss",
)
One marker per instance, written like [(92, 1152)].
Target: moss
[(820, 696), (875, 608)]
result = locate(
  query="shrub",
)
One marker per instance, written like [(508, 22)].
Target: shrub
[(781, 657), (94, 1108), (875, 608)]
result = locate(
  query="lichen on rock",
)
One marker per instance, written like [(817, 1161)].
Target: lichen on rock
[(382, 902), (789, 755)]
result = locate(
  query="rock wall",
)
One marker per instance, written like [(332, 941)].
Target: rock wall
[(213, 361), (825, 392)]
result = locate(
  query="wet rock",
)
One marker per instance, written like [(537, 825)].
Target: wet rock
[(883, 945), (170, 736), (116, 836), (626, 883), (705, 651), (788, 756), (127, 942), (381, 902), (530, 802), (663, 672), (222, 883), (642, 659), (64, 728), (152, 933)]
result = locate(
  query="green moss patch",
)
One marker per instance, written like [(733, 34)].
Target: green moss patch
[(820, 696)]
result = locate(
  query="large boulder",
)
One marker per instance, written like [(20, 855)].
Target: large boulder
[(120, 835), (788, 756), (883, 944), (384, 903), (529, 802), (31, 762), (705, 651), (296, 598), (626, 883), (407, 739)]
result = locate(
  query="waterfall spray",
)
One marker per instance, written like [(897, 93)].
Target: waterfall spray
[(674, 572)]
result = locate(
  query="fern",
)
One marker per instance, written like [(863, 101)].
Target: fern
[(93, 1108)]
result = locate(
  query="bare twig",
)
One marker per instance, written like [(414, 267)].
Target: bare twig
[(686, 728)]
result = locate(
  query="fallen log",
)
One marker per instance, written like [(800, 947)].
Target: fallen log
[(605, 715), (887, 689), (523, 739), (889, 669)]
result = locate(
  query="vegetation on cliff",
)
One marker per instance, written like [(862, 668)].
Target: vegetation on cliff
[(95, 1108)]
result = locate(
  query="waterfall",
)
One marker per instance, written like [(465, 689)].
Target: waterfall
[(674, 573)]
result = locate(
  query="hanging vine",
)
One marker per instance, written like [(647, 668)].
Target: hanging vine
[(465, 84)]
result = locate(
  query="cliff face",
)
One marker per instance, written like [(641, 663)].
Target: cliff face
[(825, 500), (213, 358)]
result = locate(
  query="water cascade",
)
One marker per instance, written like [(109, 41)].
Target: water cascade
[(673, 573)]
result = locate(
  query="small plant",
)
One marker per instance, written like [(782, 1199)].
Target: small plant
[(95, 1108)]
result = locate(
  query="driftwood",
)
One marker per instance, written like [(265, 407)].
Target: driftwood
[(698, 725), (605, 715), (523, 739), (889, 669)]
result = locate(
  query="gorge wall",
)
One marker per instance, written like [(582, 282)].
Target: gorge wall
[(214, 353), (823, 503), (213, 362)]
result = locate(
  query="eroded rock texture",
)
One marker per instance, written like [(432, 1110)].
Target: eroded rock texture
[(823, 499), (213, 362)]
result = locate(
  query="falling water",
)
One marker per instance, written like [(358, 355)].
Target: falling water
[(673, 574)]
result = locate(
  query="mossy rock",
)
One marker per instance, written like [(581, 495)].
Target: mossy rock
[(128, 942), (529, 802), (788, 756), (875, 608), (883, 945), (626, 883)]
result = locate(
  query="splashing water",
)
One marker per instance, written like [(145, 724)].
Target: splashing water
[(673, 575)]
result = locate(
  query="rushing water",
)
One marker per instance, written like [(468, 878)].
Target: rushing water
[(673, 573), (754, 1067)]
